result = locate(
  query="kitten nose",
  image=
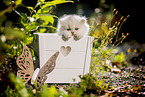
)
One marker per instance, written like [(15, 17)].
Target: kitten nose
[(72, 32)]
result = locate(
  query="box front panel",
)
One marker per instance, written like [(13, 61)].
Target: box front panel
[(53, 42), (69, 65), (72, 60), (64, 76)]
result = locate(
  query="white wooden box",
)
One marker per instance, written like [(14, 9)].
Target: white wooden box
[(68, 67)]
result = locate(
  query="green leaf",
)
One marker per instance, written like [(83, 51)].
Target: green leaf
[(46, 9), (50, 19), (47, 19), (29, 40), (30, 8), (39, 11), (51, 92), (42, 30), (42, 0), (21, 14), (20, 87), (51, 27), (31, 26), (18, 2), (55, 2), (11, 33)]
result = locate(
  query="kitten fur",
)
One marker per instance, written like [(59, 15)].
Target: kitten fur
[(72, 25)]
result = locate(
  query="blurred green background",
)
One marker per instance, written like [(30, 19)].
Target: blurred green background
[(89, 7)]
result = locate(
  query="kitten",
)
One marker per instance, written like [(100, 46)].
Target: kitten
[(72, 25)]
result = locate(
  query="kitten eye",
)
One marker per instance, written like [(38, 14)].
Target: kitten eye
[(68, 29), (76, 28)]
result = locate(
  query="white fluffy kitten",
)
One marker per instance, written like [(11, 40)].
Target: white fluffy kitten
[(72, 25)]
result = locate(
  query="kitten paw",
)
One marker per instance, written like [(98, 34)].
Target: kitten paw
[(65, 36), (77, 37)]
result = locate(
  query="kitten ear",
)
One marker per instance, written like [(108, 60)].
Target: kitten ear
[(83, 21)]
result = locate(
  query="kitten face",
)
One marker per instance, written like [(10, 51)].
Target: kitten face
[(72, 25)]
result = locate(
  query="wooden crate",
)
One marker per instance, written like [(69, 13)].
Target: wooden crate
[(68, 65)]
